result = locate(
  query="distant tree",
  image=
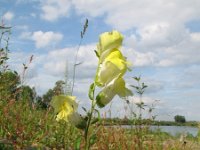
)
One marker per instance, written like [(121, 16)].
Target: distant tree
[(46, 98), (57, 90), (40, 103), (59, 87), (179, 119), (9, 82), (27, 94)]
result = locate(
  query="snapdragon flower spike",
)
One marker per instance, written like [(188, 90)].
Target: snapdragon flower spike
[(111, 68), (65, 107), (115, 87)]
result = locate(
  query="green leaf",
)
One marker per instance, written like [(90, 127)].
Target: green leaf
[(91, 91), (93, 139), (15, 72), (97, 54), (78, 143), (137, 78), (84, 109), (95, 120), (136, 87), (98, 117)]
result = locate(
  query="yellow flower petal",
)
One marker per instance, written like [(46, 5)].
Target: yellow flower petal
[(113, 65), (117, 59), (62, 115), (121, 89), (64, 106), (115, 87), (109, 40)]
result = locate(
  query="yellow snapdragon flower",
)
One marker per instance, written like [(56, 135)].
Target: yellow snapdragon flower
[(111, 68), (109, 41), (64, 106), (66, 109), (115, 87)]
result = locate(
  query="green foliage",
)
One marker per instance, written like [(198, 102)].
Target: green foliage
[(4, 42), (91, 91), (59, 87), (57, 90), (24, 127), (28, 93), (179, 118), (9, 82), (47, 97)]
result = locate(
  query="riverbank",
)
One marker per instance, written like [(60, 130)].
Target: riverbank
[(118, 121)]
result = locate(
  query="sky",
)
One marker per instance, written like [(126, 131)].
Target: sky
[(161, 39)]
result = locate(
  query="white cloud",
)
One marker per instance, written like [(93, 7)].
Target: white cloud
[(161, 37), (163, 45), (48, 68), (54, 9), (22, 27), (57, 59), (137, 58), (195, 36), (190, 78), (16, 61), (43, 39), (145, 100), (8, 16), (25, 35), (126, 14)]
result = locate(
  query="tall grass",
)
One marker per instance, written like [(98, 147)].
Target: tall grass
[(23, 127)]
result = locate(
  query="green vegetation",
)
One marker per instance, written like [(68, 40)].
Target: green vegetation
[(179, 119), (28, 121), (126, 121)]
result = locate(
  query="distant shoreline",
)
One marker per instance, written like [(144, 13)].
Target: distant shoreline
[(118, 121)]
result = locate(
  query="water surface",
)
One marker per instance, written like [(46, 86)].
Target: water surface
[(173, 130)]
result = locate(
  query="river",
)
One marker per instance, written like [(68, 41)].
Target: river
[(173, 130)]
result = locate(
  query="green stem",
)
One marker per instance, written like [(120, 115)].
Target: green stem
[(87, 144)]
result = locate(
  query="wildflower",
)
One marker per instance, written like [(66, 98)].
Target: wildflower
[(115, 87), (64, 106), (109, 41), (66, 109), (112, 66)]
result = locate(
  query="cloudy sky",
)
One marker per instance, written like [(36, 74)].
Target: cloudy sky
[(161, 39)]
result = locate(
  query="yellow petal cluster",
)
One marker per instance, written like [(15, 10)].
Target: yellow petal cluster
[(114, 65), (109, 41), (64, 106), (111, 68), (116, 87), (66, 109)]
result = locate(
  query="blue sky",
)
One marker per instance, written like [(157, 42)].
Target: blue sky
[(161, 39)]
